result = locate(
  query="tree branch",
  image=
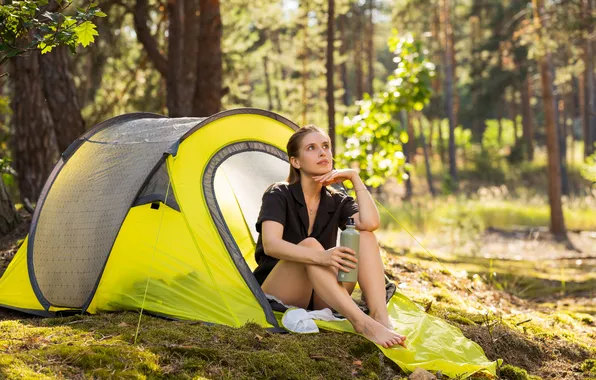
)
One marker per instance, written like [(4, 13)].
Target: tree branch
[(146, 39)]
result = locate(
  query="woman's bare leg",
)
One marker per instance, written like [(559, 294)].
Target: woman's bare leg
[(289, 282), (293, 283), (371, 277), (324, 281)]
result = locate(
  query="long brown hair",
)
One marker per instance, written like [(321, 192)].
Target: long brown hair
[(293, 149)]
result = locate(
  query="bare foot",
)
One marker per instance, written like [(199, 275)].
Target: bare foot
[(379, 334), (383, 319)]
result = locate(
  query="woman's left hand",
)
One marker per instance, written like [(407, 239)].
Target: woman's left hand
[(335, 176)]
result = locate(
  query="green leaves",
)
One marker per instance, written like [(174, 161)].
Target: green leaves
[(588, 170), (376, 134), (48, 29), (85, 33)]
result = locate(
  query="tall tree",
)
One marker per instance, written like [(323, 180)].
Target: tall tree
[(208, 90), (447, 69), (9, 218), (343, 68), (193, 67), (330, 71), (24, 35), (527, 119), (34, 141), (61, 97), (557, 223), (589, 112), (370, 47), (358, 52)]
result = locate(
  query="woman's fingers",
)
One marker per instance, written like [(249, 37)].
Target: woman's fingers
[(350, 257), (346, 250), (327, 177)]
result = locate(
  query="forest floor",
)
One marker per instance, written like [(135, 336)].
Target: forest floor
[(524, 298)]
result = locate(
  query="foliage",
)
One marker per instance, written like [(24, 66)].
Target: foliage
[(4, 164), (589, 168), (49, 27), (376, 133)]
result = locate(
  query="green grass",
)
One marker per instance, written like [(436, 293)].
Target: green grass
[(471, 216), (101, 347)]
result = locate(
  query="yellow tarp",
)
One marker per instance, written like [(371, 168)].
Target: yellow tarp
[(433, 344)]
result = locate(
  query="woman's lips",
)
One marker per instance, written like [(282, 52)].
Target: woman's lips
[(324, 162)]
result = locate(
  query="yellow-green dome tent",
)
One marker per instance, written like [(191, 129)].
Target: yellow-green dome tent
[(144, 202), (155, 213)]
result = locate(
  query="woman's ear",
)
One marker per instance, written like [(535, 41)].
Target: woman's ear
[(294, 162)]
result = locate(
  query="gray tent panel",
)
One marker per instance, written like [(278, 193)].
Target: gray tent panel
[(91, 195)]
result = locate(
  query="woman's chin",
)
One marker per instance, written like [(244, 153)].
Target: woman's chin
[(322, 170)]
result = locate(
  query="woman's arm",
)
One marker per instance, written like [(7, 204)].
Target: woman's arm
[(367, 218), (275, 246)]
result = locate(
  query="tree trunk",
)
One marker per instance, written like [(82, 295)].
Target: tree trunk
[(34, 141), (441, 141), (9, 217), (330, 72), (358, 53), (589, 114), (515, 112), (282, 73), (557, 226), (562, 131), (475, 38), (193, 61), (370, 48), (61, 97), (408, 150), (174, 62), (527, 122), (267, 83), (455, 95), (429, 175), (193, 49), (208, 90), (449, 88), (305, 54), (343, 68)]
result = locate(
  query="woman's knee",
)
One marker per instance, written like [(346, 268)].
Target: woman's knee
[(368, 236), (311, 243)]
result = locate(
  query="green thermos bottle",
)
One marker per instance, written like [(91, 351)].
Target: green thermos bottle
[(350, 238)]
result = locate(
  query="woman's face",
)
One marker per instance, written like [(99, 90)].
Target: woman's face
[(315, 154)]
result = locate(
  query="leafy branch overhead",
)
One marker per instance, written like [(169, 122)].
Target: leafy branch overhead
[(38, 24), (378, 133)]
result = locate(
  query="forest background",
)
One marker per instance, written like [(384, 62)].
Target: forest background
[(472, 122)]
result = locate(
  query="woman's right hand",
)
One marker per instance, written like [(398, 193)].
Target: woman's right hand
[(342, 258)]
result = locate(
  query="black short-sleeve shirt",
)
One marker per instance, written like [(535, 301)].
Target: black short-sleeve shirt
[(285, 204)]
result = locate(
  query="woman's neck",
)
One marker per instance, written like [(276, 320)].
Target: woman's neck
[(310, 187)]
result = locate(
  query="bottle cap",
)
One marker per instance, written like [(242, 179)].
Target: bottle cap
[(351, 222)]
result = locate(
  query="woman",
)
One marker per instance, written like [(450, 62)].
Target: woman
[(297, 225)]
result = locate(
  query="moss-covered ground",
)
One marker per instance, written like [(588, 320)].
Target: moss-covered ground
[(539, 316)]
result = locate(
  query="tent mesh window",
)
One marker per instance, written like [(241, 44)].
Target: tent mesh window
[(249, 167)]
